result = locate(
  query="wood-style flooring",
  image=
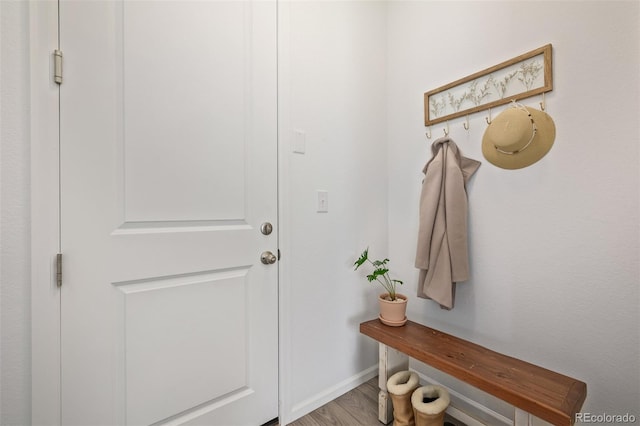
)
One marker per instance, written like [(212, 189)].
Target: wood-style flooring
[(358, 407)]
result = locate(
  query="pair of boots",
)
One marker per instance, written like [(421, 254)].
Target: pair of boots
[(414, 405)]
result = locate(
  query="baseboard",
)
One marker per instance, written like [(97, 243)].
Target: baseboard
[(468, 411), (318, 400)]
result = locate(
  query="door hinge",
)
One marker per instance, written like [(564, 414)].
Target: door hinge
[(59, 269), (57, 66)]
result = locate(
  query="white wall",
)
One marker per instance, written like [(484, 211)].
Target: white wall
[(15, 302), (554, 247), (332, 88)]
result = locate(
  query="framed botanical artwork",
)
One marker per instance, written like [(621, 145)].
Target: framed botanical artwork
[(524, 76)]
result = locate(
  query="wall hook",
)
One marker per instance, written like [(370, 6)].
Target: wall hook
[(488, 119), (543, 104), (428, 134), (446, 130), (466, 124)]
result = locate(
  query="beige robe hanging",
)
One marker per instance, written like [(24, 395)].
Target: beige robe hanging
[(442, 253)]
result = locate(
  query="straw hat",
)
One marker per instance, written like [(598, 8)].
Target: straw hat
[(518, 137)]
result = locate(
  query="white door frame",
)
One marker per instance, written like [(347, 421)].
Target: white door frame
[(45, 208), (45, 218), (284, 208)]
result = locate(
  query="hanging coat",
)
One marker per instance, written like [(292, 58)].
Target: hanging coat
[(442, 253)]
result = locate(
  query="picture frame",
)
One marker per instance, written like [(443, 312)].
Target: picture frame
[(518, 78)]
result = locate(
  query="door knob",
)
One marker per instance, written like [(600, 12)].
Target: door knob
[(268, 258)]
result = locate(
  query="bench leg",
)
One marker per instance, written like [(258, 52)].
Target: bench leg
[(390, 361), (522, 418)]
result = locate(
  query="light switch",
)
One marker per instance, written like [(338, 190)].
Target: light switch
[(299, 142), (323, 201)]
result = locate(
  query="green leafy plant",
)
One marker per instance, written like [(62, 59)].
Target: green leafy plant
[(380, 273)]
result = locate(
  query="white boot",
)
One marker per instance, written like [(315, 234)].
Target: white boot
[(400, 387), (429, 405)]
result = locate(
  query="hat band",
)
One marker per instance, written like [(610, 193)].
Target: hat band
[(533, 133)]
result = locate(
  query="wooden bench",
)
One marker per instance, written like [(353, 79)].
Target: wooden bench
[(532, 390)]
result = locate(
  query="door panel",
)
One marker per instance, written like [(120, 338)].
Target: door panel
[(176, 313), (205, 91), (168, 169)]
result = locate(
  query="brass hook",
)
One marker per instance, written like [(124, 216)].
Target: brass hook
[(428, 134), (543, 103), (466, 124), (488, 119)]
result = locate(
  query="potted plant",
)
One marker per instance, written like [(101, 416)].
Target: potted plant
[(393, 306)]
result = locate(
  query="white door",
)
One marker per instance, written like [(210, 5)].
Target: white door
[(168, 169)]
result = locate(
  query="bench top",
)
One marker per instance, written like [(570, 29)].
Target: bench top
[(551, 396)]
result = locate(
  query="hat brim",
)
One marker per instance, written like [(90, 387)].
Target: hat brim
[(541, 144)]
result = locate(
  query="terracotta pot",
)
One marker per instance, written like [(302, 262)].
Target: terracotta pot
[(393, 313)]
